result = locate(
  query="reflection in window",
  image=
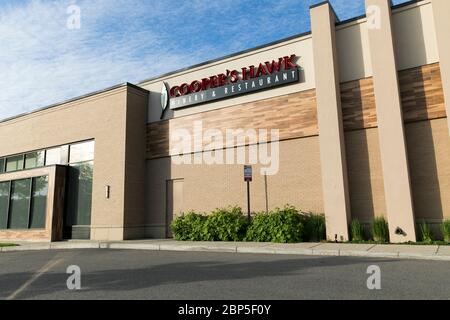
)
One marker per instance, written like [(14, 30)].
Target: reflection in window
[(19, 204), (14, 163), (2, 165), (38, 202), (79, 195), (4, 201), (53, 156), (25, 207), (81, 152), (34, 160)]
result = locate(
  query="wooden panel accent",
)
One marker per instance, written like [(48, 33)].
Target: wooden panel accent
[(294, 115), (422, 94), (358, 104)]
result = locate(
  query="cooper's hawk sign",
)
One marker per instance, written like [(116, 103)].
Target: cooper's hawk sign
[(233, 83)]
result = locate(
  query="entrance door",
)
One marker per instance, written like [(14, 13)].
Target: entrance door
[(77, 222), (174, 203)]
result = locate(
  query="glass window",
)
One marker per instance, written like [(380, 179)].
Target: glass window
[(53, 156), (81, 152), (14, 163), (39, 202), (4, 201), (79, 194), (65, 155), (34, 160), (2, 165), (20, 204)]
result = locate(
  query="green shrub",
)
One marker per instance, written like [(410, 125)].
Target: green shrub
[(380, 230), (426, 233), (225, 225), (188, 227), (315, 229), (356, 231), (446, 230), (280, 226), (260, 230)]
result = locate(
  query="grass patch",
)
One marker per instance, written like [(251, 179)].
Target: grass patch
[(7, 245), (356, 231), (380, 230), (426, 233), (446, 230), (315, 227)]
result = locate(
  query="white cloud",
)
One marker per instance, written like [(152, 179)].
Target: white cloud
[(44, 62)]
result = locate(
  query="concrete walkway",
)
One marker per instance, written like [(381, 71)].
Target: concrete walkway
[(434, 252)]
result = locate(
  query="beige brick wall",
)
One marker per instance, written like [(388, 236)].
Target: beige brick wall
[(365, 175), (429, 160), (108, 118), (298, 183)]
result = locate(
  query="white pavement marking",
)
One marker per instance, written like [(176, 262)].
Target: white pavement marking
[(52, 263)]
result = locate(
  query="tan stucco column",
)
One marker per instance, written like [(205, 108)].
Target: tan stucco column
[(441, 10), (331, 132), (390, 123)]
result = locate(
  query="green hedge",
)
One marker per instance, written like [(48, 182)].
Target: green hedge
[(280, 226), (189, 227), (287, 225), (225, 225)]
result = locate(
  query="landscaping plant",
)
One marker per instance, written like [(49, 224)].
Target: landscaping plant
[(188, 227), (356, 231), (380, 230), (280, 226), (426, 233), (315, 229), (287, 225), (446, 230), (225, 225)]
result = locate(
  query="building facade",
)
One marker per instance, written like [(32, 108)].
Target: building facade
[(349, 120)]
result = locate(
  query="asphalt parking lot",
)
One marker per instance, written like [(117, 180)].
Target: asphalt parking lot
[(130, 274)]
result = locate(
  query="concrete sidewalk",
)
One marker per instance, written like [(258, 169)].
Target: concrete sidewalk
[(434, 252)]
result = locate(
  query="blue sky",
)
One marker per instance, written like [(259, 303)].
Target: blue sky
[(43, 62)]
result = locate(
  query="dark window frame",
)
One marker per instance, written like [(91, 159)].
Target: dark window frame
[(44, 152), (22, 155), (8, 204), (30, 204), (65, 156), (3, 166)]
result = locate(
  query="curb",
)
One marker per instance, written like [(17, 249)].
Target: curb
[(314, 251)]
